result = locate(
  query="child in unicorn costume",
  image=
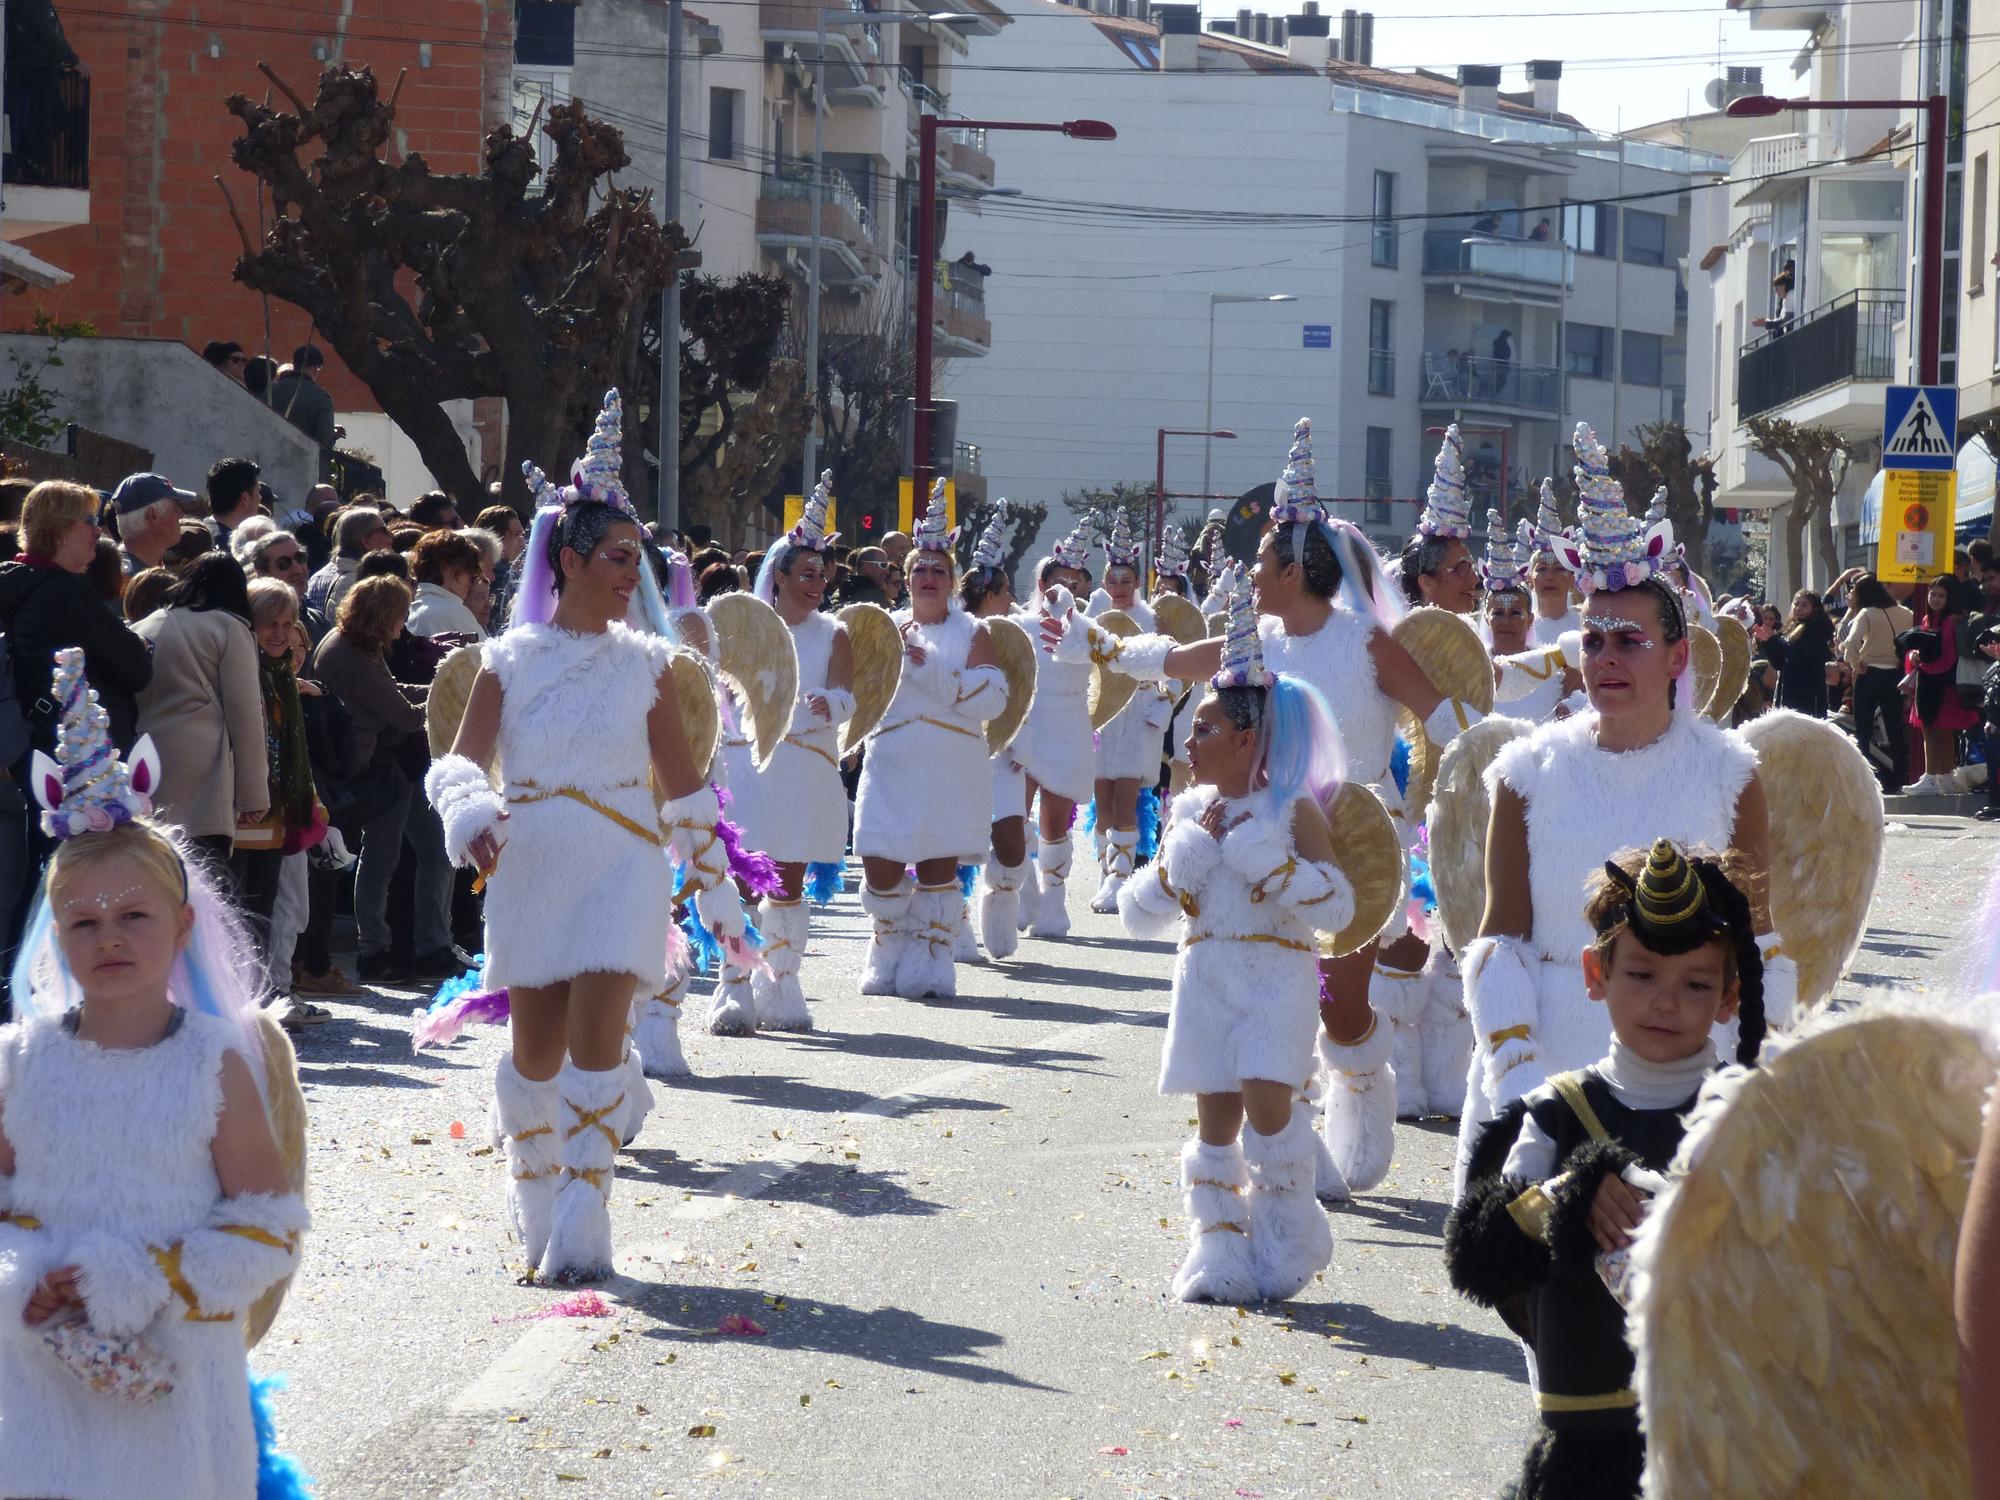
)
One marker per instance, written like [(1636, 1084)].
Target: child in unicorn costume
[(1130, 747), (581, 711), (1247, 874), (1325, 612), (1055, 747), (795, 809), (152, 1135), (926, 796)]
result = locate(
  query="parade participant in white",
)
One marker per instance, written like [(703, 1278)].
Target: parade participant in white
[(580, 708), (926, 788), (1555, 585), (1131, 747), (1629, 770), (987, 590), (1248, 867), (1055, 746), (147, 1209), (795, 809), (1174, 578), (1327, 609), (1508, 614)]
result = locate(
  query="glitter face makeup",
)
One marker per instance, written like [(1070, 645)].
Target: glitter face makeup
[(1597, 628), (104, 900)]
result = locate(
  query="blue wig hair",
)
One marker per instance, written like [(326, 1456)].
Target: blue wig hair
[(1299, 753)]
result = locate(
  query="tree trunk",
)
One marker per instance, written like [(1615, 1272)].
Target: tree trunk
[(438, 444), (1795, 538), (538, 432), (1829, 547)]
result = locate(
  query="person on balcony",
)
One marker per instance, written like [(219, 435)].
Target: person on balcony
[(300, 400), (1503, 359)]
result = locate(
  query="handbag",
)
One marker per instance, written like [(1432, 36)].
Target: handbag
[(1926, 643), (266, 833)]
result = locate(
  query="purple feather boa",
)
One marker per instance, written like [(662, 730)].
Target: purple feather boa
[(436, 1027), (757, 871)]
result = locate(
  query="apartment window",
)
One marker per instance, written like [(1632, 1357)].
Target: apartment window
[(545, 33), (1590, 228), (1377, 483), (1382, 250), (1587, 350), (1381, 348), (1645, 238), (1645, 358), (725, 124), (1975, 265)]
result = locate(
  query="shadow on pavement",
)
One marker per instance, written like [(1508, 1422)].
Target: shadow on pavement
[(347, 1053), (891, 1044), (889, 1336), (1363, 1330), (780, 1091)]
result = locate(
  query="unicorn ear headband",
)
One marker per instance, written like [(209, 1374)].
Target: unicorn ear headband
[(87, 788), (1611, 548)]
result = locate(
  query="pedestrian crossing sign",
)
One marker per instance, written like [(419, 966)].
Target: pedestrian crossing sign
[(1920, 427)]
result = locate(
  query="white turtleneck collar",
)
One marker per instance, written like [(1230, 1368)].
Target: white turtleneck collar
[(1639, 1084)]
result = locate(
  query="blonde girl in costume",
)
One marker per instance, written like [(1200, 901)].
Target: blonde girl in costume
[(1055, 747), (1131, 747), (582, 713), (1247, 870), (795, 809), (987, 591), (145, 1205), (925, 798)]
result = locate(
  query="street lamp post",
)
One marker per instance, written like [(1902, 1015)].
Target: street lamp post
[(1930, 288), (1159, 536), (838, 16), (1215, 300), (927, 132)]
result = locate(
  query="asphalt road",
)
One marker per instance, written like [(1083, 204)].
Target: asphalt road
[(923, 1251)]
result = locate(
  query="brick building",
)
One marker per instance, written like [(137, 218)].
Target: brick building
[(155, 258)]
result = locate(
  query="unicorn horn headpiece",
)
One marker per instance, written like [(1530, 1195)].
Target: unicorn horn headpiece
[(1611, 548), (1505, 565), (1173, 554), (932, 535), (1242, 647), (991, 549), (1073, 551), (1120, 551), (1297, 498), (811, 532), (597, 473), (87, 788), (1548, 522), (1445, 512)]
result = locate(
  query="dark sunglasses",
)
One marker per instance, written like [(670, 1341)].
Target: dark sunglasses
[(289, 561)]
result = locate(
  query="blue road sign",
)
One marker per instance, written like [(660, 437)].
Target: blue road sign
[(1319, 335), (1920, 427)]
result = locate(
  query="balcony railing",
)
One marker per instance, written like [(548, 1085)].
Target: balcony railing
[(48, 127), (927, 99), (961, 287), (1459, 252), (1853, 337), (795, 184), (1475, 380)]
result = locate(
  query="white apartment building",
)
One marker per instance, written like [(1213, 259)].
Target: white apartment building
[(747, 123), (1413, 219), (1836, 195)]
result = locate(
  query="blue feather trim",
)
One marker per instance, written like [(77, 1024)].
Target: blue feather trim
[(1399, 764), (1149, 822), (704, 946), (470, 982), (825, 880), (968, 877), (1421, 888), (1089, 816), (279, 1476)]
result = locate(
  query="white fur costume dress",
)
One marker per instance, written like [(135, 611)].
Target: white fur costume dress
[(112, 1160), (575, 892), (1130, 747), (1583, 804), (795, 809)]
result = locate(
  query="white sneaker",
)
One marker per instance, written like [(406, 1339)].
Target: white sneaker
[(1923, 786)]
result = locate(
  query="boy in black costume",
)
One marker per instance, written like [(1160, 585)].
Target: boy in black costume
[(1550, 1201)]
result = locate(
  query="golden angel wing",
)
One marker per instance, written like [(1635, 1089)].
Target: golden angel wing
[(1826, 842), (1457, 814), (756, 657), (1735, 643), (1705, 665), (878, 668), (1218, 623), (1016, 656), (1792, 1304), (1179, 618), (285, 1103), (450, 691), (1370, 855), (700, 721), (1456, 661), (1111, 691)]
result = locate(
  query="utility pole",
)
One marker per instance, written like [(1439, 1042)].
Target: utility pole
[(670, 312)]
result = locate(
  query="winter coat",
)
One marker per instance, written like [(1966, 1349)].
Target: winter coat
[(205, 711), (43, 609)]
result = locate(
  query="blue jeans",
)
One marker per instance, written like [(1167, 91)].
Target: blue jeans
[(409, 815)]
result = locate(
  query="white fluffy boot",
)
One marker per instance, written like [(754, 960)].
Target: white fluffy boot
[(1031, 881), (524, 1119), (638, 1093), (579, 1247), (732, 1009), (965, 946), (1290, 1239), (1218, 1267), (656, 1031), (890, 911), (1328, 1185), (1117, 870), (1361, 1105), (1447, 1032), (926, 968), (1400, 998), (999, 906), (780, 1002), (1052, 911)]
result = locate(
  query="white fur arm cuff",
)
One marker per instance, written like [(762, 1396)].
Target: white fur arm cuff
[(690, 823), (1449, 720), (1570, 644), (839, 704), (1147, 904), (1189, 854), (250, 1244), (1321, 894), (465, 802), (1520, 674), (1781, 982), (1502, 997), (121, 1282), (1082, 642), (982, 693)]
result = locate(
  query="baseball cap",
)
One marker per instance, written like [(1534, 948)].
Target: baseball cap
[(137, 491)]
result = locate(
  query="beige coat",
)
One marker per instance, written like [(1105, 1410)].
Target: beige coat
[(205, 710)]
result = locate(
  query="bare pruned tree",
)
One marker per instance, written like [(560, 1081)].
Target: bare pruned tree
[(1815, 459)]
